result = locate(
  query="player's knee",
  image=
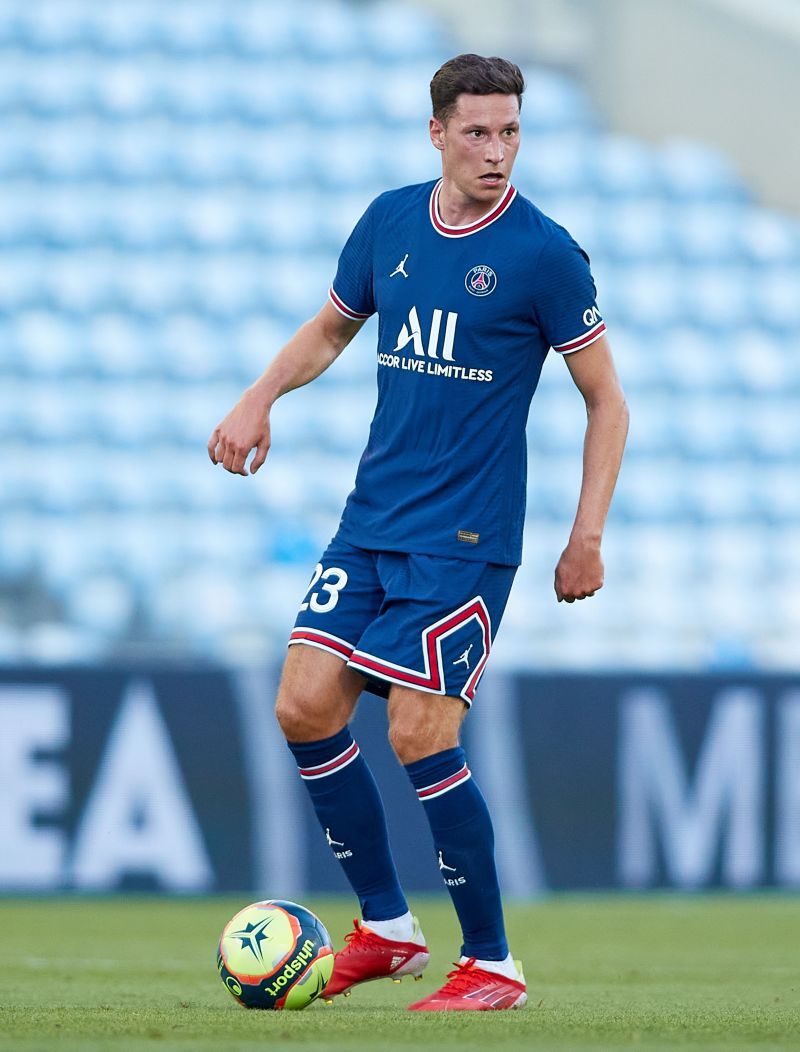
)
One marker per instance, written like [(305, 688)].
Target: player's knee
[(290, 718), (413, 740), (298, 720), (421, 725)]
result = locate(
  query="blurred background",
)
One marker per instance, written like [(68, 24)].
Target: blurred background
[(176, 182)]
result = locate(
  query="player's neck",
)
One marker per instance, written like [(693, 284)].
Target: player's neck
[(459, 209)]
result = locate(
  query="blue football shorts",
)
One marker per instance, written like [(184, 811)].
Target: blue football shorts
[(420, 621)]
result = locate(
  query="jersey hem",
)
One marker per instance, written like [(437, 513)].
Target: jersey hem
[(439, 553), (343, 309), (581, 341), (322, 641)]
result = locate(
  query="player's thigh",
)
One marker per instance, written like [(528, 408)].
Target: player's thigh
[(317, 694), (423, 724), (318, 691)]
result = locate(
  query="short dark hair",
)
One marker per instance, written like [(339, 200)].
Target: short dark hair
[(473, 75)]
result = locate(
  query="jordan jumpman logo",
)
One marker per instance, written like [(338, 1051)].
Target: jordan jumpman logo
[(464, 657), (443, 866), (401, 267)]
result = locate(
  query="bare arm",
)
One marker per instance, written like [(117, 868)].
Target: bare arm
[(580, 569), (314, 347)]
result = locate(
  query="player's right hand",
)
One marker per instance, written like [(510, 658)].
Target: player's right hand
[(245, 428)]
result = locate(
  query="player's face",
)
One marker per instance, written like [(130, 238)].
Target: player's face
[(479, 145)]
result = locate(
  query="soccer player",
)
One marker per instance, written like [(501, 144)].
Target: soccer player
[(472, 285)]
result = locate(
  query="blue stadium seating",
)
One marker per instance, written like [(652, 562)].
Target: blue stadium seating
[(178, 180)]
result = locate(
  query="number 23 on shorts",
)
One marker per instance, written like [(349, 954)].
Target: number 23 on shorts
[(331, 581)]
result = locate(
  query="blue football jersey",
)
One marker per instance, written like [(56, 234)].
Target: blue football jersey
[(466, 316)]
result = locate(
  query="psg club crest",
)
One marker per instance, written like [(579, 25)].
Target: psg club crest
[(481, 280)]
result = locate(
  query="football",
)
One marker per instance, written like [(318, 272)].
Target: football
[(275, 954)]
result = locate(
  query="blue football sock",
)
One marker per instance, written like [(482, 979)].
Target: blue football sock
[(464, 842), (350, 811)]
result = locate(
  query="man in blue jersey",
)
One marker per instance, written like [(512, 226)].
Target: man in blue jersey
[(473, 286)]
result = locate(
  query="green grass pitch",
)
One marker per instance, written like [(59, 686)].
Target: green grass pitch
[(603, 973)]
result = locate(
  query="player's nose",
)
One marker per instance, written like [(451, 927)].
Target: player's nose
[(494, 151)]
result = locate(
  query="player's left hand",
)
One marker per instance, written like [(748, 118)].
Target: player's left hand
[(579, 573)]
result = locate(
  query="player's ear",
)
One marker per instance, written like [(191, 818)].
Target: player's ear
[(436, 130)]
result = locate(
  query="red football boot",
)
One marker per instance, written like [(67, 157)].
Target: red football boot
[(471, 989), (367, 956)]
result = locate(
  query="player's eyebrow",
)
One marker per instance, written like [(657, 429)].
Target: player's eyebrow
[(483, 127)]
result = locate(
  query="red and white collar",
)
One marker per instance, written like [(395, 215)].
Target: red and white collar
[(470, 228)]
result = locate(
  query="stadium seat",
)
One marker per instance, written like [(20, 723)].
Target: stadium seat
[(187, 29), (345, 161), (694, 360), (145, 547), (263, 33), (401, 94), (290, 222), (652, 435), (759, 362), (252, 341), (636, 230), (559, 168), (554, 103), (623, 169), (768, 237), (199, 605), (330, 33), (42, 342), (776, 297), (114, 344), (721, 497), (640, 370), (403, 34), (652, 490), (776, 494), (692, 172), (121, 29), (708, 234), (772, 428), (655, 297), (48, 418), (710, 428), (41, 27), (736, 553), (103, 604), (552, 486), (719, 297)]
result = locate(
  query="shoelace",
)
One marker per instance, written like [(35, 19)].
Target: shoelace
[(358, 939), (462, 979)]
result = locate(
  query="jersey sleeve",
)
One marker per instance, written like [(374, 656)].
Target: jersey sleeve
[(565, 297), (351, 292)]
